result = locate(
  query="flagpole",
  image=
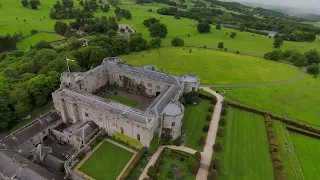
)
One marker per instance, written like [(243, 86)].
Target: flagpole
[(68, 64)]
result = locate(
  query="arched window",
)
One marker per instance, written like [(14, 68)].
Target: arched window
[(138, 137), (122, 130)]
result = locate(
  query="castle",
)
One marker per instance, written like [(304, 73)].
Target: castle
[(81, 101)]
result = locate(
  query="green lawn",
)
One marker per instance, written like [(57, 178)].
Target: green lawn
[(106, 162), (307, 149), (27, 42), (245, 153), (193, 121), (297, 100), (214, 66), (122, 100)]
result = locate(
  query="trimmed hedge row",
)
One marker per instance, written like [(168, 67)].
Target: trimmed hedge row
[(212, 99), (133, 163), (276, 117), (274, 151), (303, 132)]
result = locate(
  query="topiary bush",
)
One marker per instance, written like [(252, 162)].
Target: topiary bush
[(197, 156), (205, 128), (215, 163), (222, 121), (194, 168), (209, 117), (211, 109), (152, 172), (217, 147), (202, 141), (220, 132), (213, 175), (223, 111)]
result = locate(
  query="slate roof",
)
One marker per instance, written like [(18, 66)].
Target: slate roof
[(13, 164), (86, 129), (45, 156), (109, 105), (30, 131), (25, 149)]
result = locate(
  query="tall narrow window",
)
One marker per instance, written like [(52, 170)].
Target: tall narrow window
[(173, 124), (122, 130), (138, 137)]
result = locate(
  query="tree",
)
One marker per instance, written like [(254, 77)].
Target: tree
[(67, 3), (202, 141), (220, 45), (106, 8), (158, 30), (60, 27), (274, 55), (313, 69), (217, 146), (150, 21), (277, 42), (312, 56), (197, 156), (112, 33), (177, 16), (218, 26), (177, 42), (97, 55), (233, 35), (42, 45), (152, 172), (213, 175), (203, 28), (81, 3), (137, 43), (155, 43), (25, 3), (34, 4)]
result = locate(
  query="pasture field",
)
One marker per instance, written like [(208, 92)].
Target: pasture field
[(214, 66), (307, 150), (193, 121), (245, 153), (29, 41), (106, 162), (297, 100), (12, 15)]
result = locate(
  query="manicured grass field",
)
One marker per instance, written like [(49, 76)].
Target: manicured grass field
[(193, 121), (245, 153), (106, 162), (122, 100), (307, 150), (214, 66), (297, 100), (27, 42)]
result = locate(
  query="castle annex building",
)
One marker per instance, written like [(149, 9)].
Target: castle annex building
[(82, 101)]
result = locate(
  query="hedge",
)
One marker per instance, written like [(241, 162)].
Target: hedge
[(133, 163), (212, 99), (303, 133), (275, 117)]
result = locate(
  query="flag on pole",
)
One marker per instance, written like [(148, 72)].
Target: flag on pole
[(67, 59)]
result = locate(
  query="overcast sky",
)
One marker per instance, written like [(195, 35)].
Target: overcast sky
[(305, 4)]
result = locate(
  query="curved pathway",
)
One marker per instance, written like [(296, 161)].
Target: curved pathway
[(259, 85)]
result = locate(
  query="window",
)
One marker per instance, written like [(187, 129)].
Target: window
[(158, 87), (149, 85), (122, 130), (173, 123), (138, 137), (193, 89), (86, 114)]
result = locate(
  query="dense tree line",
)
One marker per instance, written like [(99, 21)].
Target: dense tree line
[(310, 58), (8, 42), (122, 13), (33, 3)]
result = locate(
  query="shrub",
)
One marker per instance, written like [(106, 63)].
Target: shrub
[(205, 128), (220, 132), (313, 69), (213, 175), (133, 163), (202, 141), (209, 117), (215, 163), (222, 121), (150, 10), (42, 45), (81, 155), (194, 168), (34, 31), (152, 172), (217, 146), (223, 111), (197, 156), (177, 42), (211, 109), (237, 52), (225, 49)]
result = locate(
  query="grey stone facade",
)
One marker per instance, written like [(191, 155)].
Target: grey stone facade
[(75, 101)]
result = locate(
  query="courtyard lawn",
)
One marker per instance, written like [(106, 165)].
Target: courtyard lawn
[(122, 100), (298, 100), (29, 41), (245, 153), (106, 162), (193, 121), (214, 66), (307, 150)]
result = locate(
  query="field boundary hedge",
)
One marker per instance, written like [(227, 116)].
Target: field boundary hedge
[(274, 149), (298, 131), (133, 163), (212, 99), (275, 117)]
